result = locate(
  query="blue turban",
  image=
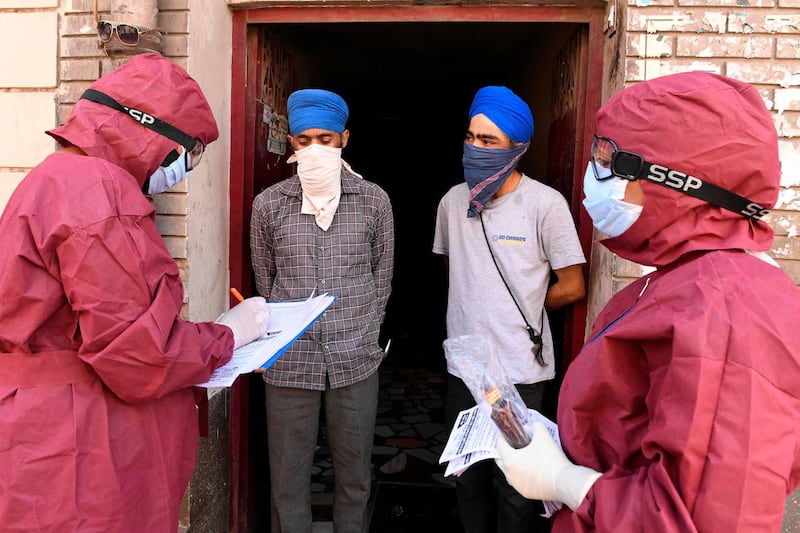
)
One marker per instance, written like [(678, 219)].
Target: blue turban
[(316, 108), (507, 110)]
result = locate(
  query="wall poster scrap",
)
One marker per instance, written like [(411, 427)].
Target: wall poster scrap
[(275, 89)]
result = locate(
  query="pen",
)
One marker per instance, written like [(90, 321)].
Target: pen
[(237, 294)]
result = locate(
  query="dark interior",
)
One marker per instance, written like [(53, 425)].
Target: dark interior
[(409, 87)]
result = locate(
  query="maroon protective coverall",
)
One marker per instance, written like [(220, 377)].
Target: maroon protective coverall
[(687, 394), (98, 426)]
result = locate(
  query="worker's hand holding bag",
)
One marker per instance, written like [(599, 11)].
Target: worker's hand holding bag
[(248, 320), (541, 471)]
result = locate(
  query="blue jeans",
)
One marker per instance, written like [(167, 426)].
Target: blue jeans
[(292, 423), (486, 502)]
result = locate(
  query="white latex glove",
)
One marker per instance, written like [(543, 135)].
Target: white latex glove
[(248, 320), (541, 471)]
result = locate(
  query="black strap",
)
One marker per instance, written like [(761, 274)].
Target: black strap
[(145, 119), (702, 190), (536, 338)]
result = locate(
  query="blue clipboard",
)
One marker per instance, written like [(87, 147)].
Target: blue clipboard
[(286, 346)]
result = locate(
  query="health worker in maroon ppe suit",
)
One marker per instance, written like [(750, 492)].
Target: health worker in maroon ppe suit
[(98, 425), (682, 411)]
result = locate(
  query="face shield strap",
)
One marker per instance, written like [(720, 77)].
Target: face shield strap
[(145, 119), (630, 166)]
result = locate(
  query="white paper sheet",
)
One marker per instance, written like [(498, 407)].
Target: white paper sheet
[(474, 438), (288, 321)]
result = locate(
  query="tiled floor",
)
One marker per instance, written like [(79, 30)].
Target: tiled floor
[(409, 490)]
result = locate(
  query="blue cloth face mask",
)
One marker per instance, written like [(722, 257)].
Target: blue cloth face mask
[(486, 170), (610, 214), (167, 177)]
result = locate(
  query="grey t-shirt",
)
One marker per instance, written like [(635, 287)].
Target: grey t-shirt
[(531, 231)]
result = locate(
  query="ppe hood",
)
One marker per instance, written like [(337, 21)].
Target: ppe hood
[(703, 125), (150, 83)]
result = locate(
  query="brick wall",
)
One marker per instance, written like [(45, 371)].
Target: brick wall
[(26, 95), (759, 43), (82, 60), (60, 56)]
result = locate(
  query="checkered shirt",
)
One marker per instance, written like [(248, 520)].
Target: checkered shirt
[(353, 260)]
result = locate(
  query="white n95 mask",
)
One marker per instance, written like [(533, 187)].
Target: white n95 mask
[(610, 214), (167, 177)]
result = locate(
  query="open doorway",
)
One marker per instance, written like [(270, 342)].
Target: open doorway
[(409, 87)]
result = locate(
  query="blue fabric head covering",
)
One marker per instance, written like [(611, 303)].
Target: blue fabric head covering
[(507, 110), (316, 108)]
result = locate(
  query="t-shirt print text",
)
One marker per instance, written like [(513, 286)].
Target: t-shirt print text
[(509, 239)]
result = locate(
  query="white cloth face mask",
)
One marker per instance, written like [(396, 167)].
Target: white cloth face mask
[(319, 168), (167, 177), (610, 214)]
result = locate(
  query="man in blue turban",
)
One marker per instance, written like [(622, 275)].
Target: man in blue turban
[(500, 255), (325, 229), (486, 169), (317, 108), (508, 111)]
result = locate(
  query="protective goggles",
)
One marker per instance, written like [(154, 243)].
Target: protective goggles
[(128, 34), (194, 146), (608, 162)]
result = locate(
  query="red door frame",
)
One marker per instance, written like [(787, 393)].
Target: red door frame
[(244, 93)]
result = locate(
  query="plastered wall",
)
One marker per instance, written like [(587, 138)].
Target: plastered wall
[(26, 94)]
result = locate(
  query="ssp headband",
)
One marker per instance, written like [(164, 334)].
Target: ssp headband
[(145, 119)]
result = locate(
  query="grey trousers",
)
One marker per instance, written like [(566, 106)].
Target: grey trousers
[(292, 423)]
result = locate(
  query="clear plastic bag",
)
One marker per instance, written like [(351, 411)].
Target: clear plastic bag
[(479, 366)]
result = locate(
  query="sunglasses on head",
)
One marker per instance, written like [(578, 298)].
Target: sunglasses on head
[(608, 161), (128, 34)]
